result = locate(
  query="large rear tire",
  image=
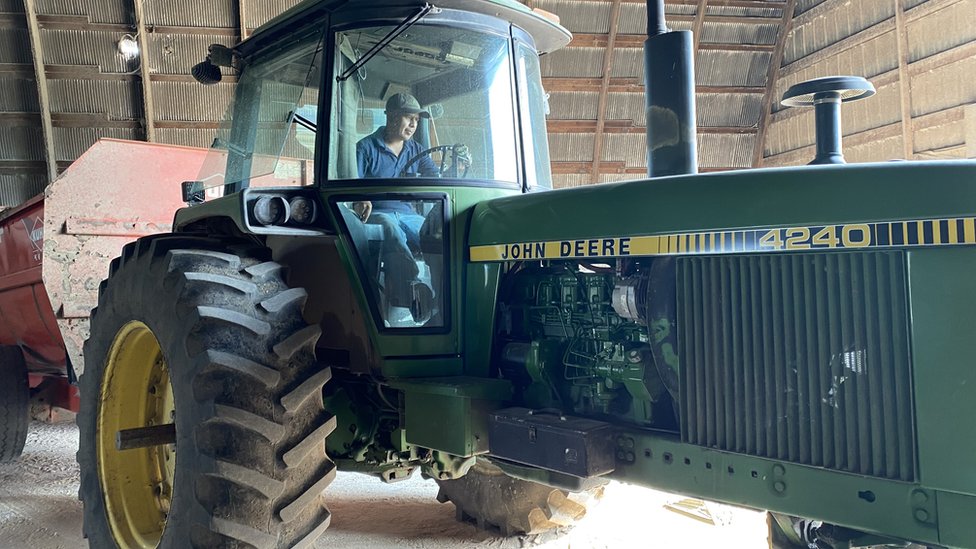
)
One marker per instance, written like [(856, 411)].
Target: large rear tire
[(206, 335), (494, 501), (14, 403)]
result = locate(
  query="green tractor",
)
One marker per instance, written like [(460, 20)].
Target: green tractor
[(793, 340)]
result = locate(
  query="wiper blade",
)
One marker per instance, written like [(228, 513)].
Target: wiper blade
[(393, 34), (304, 122)]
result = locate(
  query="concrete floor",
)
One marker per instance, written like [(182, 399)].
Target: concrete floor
[(39, 508)]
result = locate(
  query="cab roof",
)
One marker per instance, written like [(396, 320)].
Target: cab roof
[(549, 35)]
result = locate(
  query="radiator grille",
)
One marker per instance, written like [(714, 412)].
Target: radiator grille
[(800, 357)]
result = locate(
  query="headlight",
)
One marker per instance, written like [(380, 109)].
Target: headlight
[(303, 210), (271, 210)]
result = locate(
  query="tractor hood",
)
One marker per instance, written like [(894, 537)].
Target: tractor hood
[(714, 212)]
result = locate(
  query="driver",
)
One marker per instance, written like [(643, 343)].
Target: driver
[(385, 152)]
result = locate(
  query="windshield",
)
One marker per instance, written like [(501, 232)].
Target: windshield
[(432, 87), (262, 141)]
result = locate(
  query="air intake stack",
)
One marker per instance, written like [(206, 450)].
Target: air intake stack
[(825, 95), (669, 84)]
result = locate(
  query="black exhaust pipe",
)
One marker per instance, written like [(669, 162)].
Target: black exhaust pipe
[(669, 84)]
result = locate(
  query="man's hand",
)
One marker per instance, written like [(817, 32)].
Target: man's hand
[(462, 156), (363, 209)]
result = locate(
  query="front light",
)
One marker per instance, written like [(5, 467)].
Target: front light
[(303, 210), (271, 210)]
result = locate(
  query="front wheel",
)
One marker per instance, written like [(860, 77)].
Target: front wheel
[(14, 403), (201, 421), (494, 501)]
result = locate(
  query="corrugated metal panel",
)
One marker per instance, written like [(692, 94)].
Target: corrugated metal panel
[(565, 180), (259, 13), (18, 95), (725, 150), (878, 150), (829, 388), (116, 98), (74, 47), (943, 30), (729, 110), (14, 46), (793, 133), (772, 12), (189, 101), (627, 63), (738, 33), (583, 17), (869, 59), (187, 137), (633, 17), (97, 11), (617, 177), (177, 53), (939, 137), (21, 143), (626, 106), (573, 105), (570, 62), (882, 109), (835, 25), (192, 13), (732, 68), (70, 143), (806, 5), (629, 148), (15, 189), (571, 147), (943, 88), (11, 6)]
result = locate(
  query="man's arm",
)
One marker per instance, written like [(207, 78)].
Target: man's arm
[(362, 158)]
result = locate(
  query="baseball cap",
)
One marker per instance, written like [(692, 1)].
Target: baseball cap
[(404, 102)]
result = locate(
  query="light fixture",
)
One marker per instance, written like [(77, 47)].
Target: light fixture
[(128, 47)]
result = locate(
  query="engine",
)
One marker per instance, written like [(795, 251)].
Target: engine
[(575, 337)]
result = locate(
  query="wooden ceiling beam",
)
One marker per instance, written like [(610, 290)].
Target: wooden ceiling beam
[(587, 40), (145, 78), (628, 127), (775, 61), (43, 94), (757, 4), (904, 81), (601, 105), (629, 85)]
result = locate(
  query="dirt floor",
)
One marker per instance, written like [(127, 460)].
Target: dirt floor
[(39, 509)]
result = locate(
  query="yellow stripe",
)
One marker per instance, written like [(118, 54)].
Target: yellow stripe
[(953, 233), (486, 253), (722, 242), (937, 232), (969, 230), (904, 230), (920, 231)]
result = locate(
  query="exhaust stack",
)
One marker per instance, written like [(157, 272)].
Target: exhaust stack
[(669, 83), (825, 95)]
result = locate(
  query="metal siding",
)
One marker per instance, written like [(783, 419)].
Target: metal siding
[(187, 137), (715, 109), (629, 148), (835, 25), (189, 101), (21, 143), (16, 189), (18, 94), (15, 46), (572, 147), (943, 88), (628, 63), (580, 17), (942, 30), (116, 98), (774, 12), (626, 106), (732, 68), (177, 53), (565, 180), (573, 105), (573, 62), (259, 13), (877, 150), (96, 11), (799, 357), (78, 47), (942, 136), (725, 150), (192, 13), (738, 33)]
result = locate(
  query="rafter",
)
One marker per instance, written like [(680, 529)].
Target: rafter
[(904, 81), (587, 40), (629, 85), (601, 108), (774, 62), (43, 97), (696, 27), (148, 106), (242, 19)]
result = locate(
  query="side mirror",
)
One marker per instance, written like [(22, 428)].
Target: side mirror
[(193, 192)]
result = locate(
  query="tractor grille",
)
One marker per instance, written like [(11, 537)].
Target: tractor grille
[(800, 357)]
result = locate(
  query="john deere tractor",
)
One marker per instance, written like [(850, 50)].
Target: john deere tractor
[(797, 340)]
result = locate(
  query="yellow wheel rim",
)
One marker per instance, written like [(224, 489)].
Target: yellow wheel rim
[(137, 483)]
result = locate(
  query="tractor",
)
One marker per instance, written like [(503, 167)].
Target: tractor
[(788, 339)]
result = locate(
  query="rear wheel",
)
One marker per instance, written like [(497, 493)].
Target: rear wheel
[(199, 349), (14, 403), (494, 501)]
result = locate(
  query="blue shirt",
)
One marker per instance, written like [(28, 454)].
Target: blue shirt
[(375, 159)]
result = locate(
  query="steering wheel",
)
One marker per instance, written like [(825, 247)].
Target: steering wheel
[(457, 153)]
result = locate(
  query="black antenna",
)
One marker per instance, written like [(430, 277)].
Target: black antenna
[(825, 95)]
